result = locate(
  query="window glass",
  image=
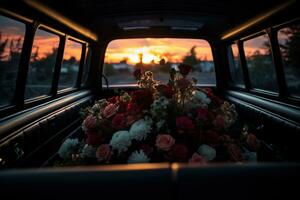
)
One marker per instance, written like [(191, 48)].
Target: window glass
[(260, 63), (289, 41), (70, 65), (42, 64), (11, 42), (235, 65), (86, 67), (158, 55)]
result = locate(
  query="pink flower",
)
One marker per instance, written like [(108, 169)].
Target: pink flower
[(178, 153), (184, 123), (90, 122), (103, 152), (184, 69), (119, 121), (164, 142), (109, 110), (219, 122), (93, 138), (202, 113), (196, 158)]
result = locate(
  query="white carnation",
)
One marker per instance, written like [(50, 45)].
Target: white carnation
[(202, 97), (67, 148), (159, 106), (138, 157), (207, 152), (88, 151), (140, 129), (120, 141)]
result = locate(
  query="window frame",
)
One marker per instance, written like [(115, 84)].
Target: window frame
[(282, 94), (18, 102), (115, 86)]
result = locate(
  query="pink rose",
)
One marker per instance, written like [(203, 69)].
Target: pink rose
[(93, 139), (103, 152), (109, 110), (202, 113), (119, 121), (178, 153), (196, 158), (184, 124), (164, 142), (219, 121), (90, 122)]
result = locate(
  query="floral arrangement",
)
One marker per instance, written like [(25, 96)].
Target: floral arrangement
[(174, 122)]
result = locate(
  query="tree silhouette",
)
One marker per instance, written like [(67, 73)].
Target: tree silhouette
[(191, 58)]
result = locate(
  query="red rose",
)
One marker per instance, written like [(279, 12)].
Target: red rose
[(235, 153), (110, 110), (137, 74), (225, 139), (122, 107), (133, 108), (183, 84), (165, 90), (93, 138), (131, 119), (103, 152), (196, 158), (252, 142), (184, 123), (184, 69), (90, 122), (119, 121), (212, 137), (113, 100), (202, 113), (164, 142), (219, 122), (143, 98), (178, 153)]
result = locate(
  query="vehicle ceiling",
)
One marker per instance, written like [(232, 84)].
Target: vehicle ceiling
[(109, 18)]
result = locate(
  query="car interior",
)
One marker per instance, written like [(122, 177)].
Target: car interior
[(35, 122)]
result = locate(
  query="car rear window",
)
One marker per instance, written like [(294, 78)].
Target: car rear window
[(159, 55)]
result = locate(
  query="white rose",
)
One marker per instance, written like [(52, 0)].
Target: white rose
[(138, 157), (201, 96), (207, 152), (140, 129), (67, 148), (120, 141)]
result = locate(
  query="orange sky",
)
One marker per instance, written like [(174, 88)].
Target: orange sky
[(172, 50)]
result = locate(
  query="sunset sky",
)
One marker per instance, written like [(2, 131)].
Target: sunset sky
[(172, 50)]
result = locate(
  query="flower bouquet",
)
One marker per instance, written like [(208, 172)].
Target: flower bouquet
[(174, 122)]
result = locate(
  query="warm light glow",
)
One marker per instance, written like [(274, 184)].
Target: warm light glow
[(155, 49)]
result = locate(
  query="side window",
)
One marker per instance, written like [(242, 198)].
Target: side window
[(11, 42), (87, 65), (289, 41), (158, 55), (42, 64), (70, 65), (260, 63), (235, 65)]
